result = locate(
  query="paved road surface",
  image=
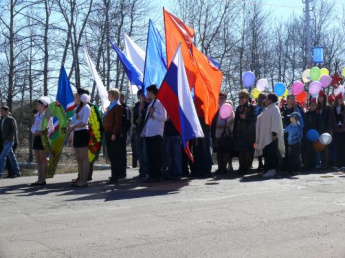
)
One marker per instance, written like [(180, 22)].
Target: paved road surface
[(302, 216)]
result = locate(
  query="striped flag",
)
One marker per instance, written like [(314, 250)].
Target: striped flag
[(66, 99), (176, 98)]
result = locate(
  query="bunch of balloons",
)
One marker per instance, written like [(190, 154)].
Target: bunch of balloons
[(319, 141)]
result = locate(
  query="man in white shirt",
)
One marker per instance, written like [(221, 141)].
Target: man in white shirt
[(153, 133)]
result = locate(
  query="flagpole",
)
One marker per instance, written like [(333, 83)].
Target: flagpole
[(147, 38)]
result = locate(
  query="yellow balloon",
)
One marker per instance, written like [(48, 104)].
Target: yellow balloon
[(285, 93), (344, 72), (255, 93), (324, 71)]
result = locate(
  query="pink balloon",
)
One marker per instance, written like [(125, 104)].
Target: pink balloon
[(225, 111), (325, 80), (297, 88), (315, 87)]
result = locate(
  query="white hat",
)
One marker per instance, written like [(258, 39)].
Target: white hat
[(85, 98), (44, 100)]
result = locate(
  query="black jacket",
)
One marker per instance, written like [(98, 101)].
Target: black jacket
[(9, 129)]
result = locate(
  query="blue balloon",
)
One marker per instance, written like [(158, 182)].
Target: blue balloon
[(248, 79), (279, 89), (313, 135)]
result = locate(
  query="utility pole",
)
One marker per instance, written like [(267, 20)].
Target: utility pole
[(307, 27)]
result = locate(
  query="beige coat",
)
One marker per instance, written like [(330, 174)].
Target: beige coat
[(268, 122)]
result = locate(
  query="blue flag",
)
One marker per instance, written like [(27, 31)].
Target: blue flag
[(65, 97), (216, 64), (132, 73), (155, 61)]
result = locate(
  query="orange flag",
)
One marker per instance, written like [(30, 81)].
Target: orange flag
[(207, 87), (177, 32)]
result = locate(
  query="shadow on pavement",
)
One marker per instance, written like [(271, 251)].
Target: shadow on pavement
[(126, 189)]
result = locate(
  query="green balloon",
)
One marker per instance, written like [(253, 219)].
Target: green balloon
[(315, 73)]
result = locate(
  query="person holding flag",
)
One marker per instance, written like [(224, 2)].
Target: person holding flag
[(38, 131), (153, 133), (81, 136)]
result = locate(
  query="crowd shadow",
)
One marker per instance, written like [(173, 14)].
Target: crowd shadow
[(131, 188)]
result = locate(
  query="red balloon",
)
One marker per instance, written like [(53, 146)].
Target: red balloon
[(302, 97)]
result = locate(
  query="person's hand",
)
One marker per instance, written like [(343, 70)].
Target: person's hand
[(152, 110), (70, 129), (113, 137), (243, 116), (138, 121)]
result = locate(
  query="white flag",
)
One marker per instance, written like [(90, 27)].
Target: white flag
[(102, 91), (136, 55)]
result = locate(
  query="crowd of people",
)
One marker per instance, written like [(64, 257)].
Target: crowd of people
[(268, 129)]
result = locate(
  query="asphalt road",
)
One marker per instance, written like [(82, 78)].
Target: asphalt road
[(302, 216)]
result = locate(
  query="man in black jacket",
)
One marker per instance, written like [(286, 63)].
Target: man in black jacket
[(8, 163), (8, 133)]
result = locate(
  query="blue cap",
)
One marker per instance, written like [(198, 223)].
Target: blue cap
[(295, 115)]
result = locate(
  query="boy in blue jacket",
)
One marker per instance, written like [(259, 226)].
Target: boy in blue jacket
[(295, 135)]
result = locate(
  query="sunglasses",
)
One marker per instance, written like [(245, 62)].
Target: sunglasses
[(241, 97)]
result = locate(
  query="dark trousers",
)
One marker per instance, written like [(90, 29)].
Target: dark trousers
[(310, 156), (142, 155), (271, 156), (223, 159), (123, 155), (339, 139), (154, 147), (245, 160), (135, 147), (186, 163), (203, 162), (114, 154), (294, 159), (172, 157)]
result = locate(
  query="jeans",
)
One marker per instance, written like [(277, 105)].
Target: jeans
[(173, 156), (7, 151)]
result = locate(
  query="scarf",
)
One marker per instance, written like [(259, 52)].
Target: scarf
[(112, 105)]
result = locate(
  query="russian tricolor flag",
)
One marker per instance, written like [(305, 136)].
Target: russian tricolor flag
[(176, 98)]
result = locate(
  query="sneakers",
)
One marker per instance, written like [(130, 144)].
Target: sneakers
[(270, 173)]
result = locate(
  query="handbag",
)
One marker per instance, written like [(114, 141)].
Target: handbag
[(224, 143)]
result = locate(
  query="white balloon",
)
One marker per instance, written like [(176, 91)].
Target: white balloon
[(262, 84), (325, 139)]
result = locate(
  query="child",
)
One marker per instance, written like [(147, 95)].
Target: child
[(295, 135)]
